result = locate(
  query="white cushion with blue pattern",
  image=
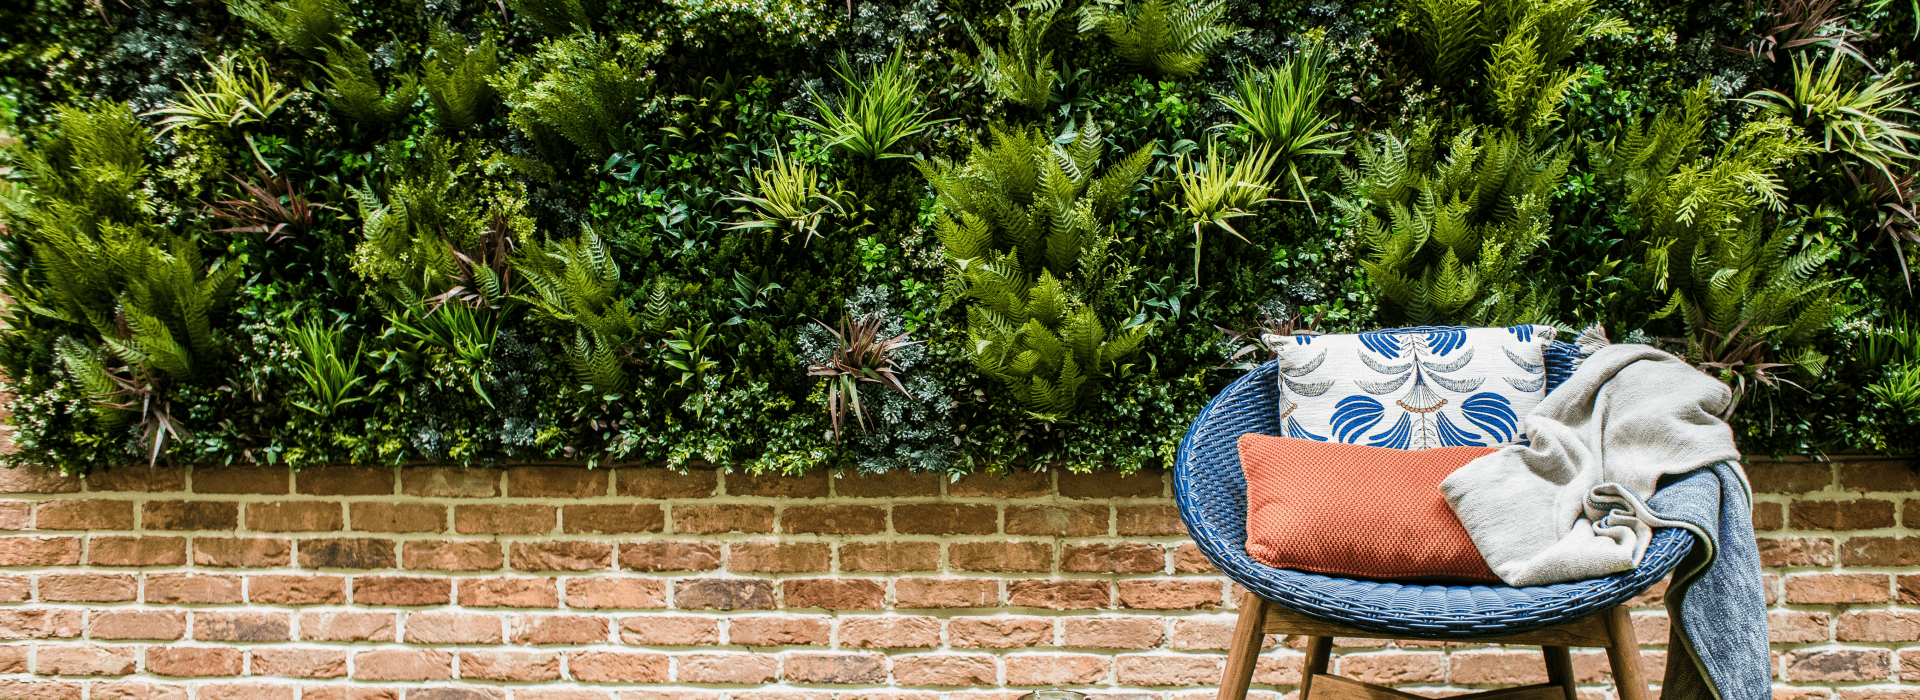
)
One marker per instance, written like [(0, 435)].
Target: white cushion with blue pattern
[(1413, 390)]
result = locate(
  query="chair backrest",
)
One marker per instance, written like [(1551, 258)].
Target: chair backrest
[(1561, 356)]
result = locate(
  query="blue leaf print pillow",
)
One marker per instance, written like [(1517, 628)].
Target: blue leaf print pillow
[(1437, 387)]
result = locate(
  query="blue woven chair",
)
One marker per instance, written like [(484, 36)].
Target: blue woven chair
[(1212, 494)]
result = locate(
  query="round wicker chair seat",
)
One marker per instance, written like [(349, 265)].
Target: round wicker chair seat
[(1212, 494)]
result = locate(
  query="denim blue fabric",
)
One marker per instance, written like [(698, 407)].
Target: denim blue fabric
[(1718, 641)]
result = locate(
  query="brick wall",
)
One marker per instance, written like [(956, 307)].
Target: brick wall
[(559, 583)]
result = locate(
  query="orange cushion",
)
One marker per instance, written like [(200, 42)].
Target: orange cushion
[(1356, 511)]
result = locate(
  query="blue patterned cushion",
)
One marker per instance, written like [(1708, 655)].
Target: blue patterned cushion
[(1413, 390)]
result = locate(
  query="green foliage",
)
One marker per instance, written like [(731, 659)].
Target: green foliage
[(1862, 121), (353, 91), (1281, 105), (1450, 223), (877, 110), (791, 199), (860, 355), (1021, 72), (310, 28), (1519, 43), (329, 372), (558, 17), (449, 337), (456, 79), (1212, 193), (584, 88), (1167, 37), (234, 98), (575, 286), (1023, 221)]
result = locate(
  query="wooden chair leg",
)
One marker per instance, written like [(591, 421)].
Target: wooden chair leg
[(1248, 633), (1319, 650), (1624, 655), (1560, 669)]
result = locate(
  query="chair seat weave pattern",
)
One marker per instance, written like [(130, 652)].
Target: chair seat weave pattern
[(1211, 491)]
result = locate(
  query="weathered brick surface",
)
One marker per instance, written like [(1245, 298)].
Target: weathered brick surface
[(640, 583)]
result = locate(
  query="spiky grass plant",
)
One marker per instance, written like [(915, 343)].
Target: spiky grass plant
[(1860, 120), (269, 205), (876, 111), (450, 335), (1213, 193), (329, 371), (1172, 38), (790, 199), (1020, 71), (239, 92), (1281, 105), (860, 355)]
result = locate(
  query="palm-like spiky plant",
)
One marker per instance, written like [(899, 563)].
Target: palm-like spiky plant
[(790, 199), (1863, 121), (860, 355), (1281, 105), (1021, 71), (876, 111), (1212, 193), (238, 94), (329, 371), (270, 205), (1168, 37)]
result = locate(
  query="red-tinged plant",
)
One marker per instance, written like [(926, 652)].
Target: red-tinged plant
[(859, 355)]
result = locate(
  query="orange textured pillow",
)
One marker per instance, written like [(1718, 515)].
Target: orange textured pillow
[(1356, 511)]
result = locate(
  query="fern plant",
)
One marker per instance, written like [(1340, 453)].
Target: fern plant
[(437, 228), (1449, 223), (1516, 46), (456, 79), (1023, 221), (877, 111), (241, 94), (583, 88), (1019, 72), (353, 91), (574, 284), (558, 17), (790, 199), (1212, 193), (1173, 38), (1281, 106), (310, 28)]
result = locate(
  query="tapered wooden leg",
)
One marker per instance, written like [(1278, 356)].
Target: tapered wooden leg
[(1319, 650), (1248, 632), (1624, 655), (1560, 669)]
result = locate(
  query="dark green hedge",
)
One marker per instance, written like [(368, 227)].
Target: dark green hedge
[(463, 231)]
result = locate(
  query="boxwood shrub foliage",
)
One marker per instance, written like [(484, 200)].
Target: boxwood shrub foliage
[(915, 234)]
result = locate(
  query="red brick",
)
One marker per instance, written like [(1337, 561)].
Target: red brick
[(1169, 594), (1795, 627), (203, 589), (1909, 588), (136, 551), (16, 515), (1008, 485), (190, 515), (1188, 559), (1114, 558), (84, 660), (1789, 477), (727, 668), (193, 662), (152, 479), (137, 690), (1837, 588), (1071, 594), (494, 519), (525, 666), (248, 691), (1878, 475), (248, 552), (670, 556), (1836, 665), (613, 519), (1877, 626), (13, 658), (946, 519), (616, 593), (773, 484), (664, 483), (1146, 483), (39, 551), (1396, 668), (299, 662), (347, 553), (452, 555), (1768, 516), (1148, 521), (1001, 556), (722, 518), (889, 631), (1055, 669), (563, 555), (1112, 632), (295, 516), (402, 590), (450, 482), (617, 666), (1880, 551), (958, 670), (297, 590), (669, 630), (1057, 521), (402, 665), (15, 479), (1000, 632), (32, 623), (1202, 633), (348, 626), (241, 479), (241, 626), (1167, 669), (138, 624), (556, 482), (504, 592), (890, 556), (1796, 551), (777, 557), (87, 588), (559, 629), (38, 690), (15, 588), (779, 630), (835, 593), (74, 514), (452, 628), (1497, 667), (897, 483), (946, 593), (834, 520), (723, 594), (397, 517), (341, 480), (1856, 514), (837, 668)]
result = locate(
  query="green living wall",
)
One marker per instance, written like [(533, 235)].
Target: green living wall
[(916, 234)]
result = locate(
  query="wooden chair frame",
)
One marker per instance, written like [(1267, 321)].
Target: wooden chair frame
[(1611, 629)]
